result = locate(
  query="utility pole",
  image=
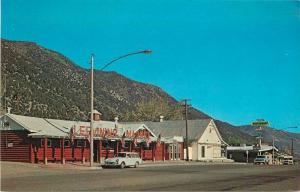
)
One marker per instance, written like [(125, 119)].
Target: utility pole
[(186, 128), (273, 150), (292, 150), (92, 116)]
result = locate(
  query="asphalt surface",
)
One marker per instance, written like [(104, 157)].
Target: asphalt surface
[(191, 177)]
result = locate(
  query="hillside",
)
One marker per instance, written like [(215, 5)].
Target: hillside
[(43, 83), (233, 135), (283, 139)]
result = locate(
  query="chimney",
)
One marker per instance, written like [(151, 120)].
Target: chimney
[(8, 110), (116, 122), (116, 119), (96, 115), (161, 118)]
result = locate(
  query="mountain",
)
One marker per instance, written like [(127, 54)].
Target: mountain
[(43, 83), (283, 139), (233, 135)]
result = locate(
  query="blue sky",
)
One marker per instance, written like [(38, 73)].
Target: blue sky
[(236, 60)]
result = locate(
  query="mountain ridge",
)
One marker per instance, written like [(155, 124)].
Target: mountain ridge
[(44, 83)]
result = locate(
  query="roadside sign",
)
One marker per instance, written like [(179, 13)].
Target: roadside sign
[(260, 122)]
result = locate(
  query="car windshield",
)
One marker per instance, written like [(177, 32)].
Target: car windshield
[(261, 156), (121, 155)]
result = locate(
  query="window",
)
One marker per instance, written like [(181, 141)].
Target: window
[(127, 144), (67, 143), (80, 143), (49, 142), (107, 144), (144, 145)]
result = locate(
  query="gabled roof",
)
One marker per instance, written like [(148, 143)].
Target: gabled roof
[(137, 126), (40, 127), (177, 128), (37, 125)]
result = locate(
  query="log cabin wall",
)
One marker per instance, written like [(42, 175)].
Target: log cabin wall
[(76, 151), (15, 146)]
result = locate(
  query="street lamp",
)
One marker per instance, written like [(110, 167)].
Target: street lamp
[(147, 51)]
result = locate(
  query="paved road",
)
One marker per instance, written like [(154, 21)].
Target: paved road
[(197, 177)]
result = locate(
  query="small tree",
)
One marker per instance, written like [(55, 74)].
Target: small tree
[(152, 109)]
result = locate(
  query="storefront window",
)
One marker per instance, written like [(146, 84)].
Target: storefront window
[(144, 144), (80, 143), (67, 143), (127, 144), (49, 142), (107, 144)]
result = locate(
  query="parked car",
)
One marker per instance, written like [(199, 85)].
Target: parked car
[(123, 159), (288, 160), (262, 159)]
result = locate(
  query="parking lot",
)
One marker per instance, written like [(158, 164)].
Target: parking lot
[(194, 176)]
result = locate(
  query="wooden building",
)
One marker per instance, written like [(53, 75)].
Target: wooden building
[(32, 139), (205, 142)]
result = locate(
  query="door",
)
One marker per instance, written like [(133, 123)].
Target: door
[(175, 152), (170, 150), (202, 151), (96, 151)]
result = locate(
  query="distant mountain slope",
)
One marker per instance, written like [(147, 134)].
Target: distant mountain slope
[(44, 83), (233, 135), (283, 139)]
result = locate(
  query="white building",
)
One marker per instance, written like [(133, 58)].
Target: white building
[(205, 141)]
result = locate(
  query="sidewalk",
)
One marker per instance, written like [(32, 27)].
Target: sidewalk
[(28, 167), (182, 162)]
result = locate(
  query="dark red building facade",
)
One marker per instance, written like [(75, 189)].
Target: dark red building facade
[(35, 140)]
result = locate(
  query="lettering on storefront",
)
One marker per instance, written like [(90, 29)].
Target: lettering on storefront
[(98, 132)]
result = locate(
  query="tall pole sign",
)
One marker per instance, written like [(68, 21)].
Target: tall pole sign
[(260, 123)]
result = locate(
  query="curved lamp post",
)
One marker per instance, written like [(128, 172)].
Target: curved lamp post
[(147, 51)]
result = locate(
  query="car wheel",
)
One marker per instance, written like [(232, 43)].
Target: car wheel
[(136, 164), (122, 165)]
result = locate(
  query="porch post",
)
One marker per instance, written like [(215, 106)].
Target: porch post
[(45, 150), (62, 150), (163, 151), (130, 149), (82, 152), (31, 156), (153, 152), (117, 147), (141, 152)]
